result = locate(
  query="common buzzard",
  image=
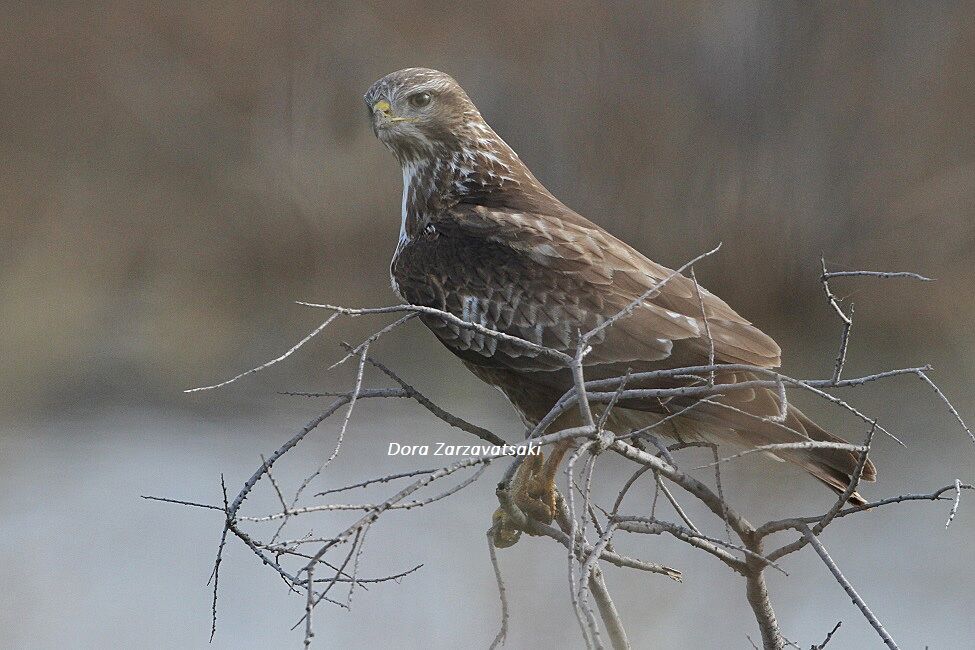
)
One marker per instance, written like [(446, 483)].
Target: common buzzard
[(483, 239)]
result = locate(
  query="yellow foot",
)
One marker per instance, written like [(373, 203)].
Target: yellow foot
[(533, 492)]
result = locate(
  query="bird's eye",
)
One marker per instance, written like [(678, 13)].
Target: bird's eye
[(420, 100)]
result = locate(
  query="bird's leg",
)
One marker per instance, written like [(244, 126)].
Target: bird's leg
[(533, 491), (547, 491)]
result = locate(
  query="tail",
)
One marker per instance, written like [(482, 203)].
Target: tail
[(834, 467), (742, 420)]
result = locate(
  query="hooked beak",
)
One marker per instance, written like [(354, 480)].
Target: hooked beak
[(382, 116), (382, 107)]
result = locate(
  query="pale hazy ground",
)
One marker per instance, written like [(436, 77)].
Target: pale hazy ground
[(90, 564), (175, 175)]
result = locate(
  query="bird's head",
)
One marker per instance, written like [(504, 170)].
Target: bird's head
[(422, 113)]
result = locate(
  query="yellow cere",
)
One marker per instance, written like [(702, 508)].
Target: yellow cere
[(382, 105)]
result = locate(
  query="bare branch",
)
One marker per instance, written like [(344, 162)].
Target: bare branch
[(829, 637), (362, 347), (875, 274), (678, 509), (653, 526), (312, 564), (607, 611), (954, 506), (215, 575), (927, 380), (440, 413), (181, 502), (781, 446), (707, 326), (373, 481), (852, 487), (847, 321), (449, 318), (756, 591), (502, 592), (353, 400), (315, 332), (847, 587)]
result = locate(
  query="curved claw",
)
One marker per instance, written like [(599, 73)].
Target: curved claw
[(503, 534), (535, 495)]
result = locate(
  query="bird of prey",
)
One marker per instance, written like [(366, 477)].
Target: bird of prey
[(482, 239)]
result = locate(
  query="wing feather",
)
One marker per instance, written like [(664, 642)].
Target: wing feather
[(547, 277)]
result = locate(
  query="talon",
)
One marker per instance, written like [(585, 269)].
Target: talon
[(539, 502), (504, 534), (534, 492)]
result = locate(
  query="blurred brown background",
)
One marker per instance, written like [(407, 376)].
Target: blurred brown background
[(176, 174)]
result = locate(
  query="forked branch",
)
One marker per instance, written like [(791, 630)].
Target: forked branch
[(319, 564)]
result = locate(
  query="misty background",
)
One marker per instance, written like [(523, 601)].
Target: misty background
[(176, 175)]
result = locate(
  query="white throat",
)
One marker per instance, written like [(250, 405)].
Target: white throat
[(409, 170)]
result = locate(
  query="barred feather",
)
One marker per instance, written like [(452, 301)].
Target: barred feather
[(482, 239)]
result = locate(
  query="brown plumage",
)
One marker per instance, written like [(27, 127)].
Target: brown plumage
[(483, 239)]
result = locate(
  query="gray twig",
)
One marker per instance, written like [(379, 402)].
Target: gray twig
[(502, 592), (594, 400), (829, 637), (847, 587), (294, 348)]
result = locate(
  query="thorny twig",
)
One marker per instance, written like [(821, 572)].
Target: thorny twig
[(594, 399), (829, 637), (502, 592)]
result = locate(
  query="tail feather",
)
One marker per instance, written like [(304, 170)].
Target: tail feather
[(745, 423), (834, 467)]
